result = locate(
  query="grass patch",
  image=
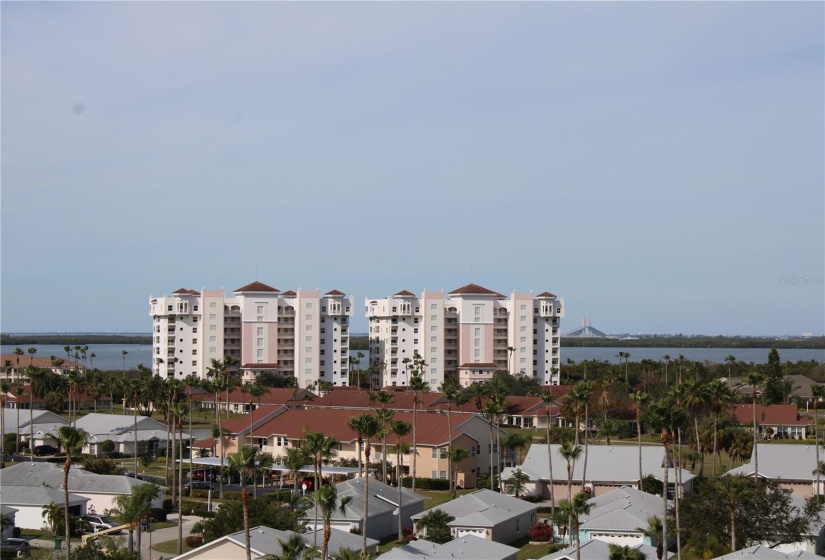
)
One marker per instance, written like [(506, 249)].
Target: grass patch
[(435, 498), (532, 551), (170, 547)]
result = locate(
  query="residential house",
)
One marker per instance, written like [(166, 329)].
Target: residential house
[(38, 423), (488, 515), (277, 429), (760, 552), (789, 465), (265, 541), (238, 402), (468, 546), (120, 429), (597, 550), (9, 513), (100, 490), (383, 508), (620, 515), (14, 366), (608, 467), (30, 500), (78, 401), (775, 421)]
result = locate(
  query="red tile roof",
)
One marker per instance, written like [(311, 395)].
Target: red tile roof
[(475, 289), (257, 287), (334, 293), (273, 396), (290, 293), (236, 425), (185, 291), (546, 295), (773, 415), (431, 429), (39, 362), (359, 399), (404, 293)]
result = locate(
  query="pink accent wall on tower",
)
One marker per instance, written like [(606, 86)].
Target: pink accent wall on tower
[(247, 342), (271, 350)]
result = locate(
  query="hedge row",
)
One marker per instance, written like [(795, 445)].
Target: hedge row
[(427, 483)]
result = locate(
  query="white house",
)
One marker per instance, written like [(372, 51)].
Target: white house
[(468, 546), (120, 429), (488, 515), (608, 467), (29, 502), (10, 514), (620, 516), (100, 490), (264, 541), (789, 465), (383, 508)]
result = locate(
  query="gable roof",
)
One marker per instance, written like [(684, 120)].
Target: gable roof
[(782, 461), (50, 475), (595, 549), (185, 291), (272, 396), (772, 415), (334, 293), (760, 552), (482, 508), (546, 295), (36, 496), (256, 287), (382, 498), (476, 290), (468, 547), (38, 417), (616, 464)]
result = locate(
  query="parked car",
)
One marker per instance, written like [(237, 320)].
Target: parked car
[(15, 546), (203, 474), (198, 485), (41, 450), (101, 523)]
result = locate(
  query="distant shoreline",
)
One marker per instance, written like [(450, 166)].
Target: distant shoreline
[(360, 342)]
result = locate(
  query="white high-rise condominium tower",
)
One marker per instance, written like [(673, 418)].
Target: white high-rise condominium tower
[(300, 334), (468, 334)]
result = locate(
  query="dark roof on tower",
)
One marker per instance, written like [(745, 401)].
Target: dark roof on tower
[(334, 293), (404, 293), (546, 294), (185, 291), (475, 289), (290, 293), (257, 287)]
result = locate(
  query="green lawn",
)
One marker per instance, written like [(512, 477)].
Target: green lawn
[(435, 498), (170, 547), (532, 551)]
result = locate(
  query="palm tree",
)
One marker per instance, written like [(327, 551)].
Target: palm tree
[(367, 427), (71, 440), (5, 387), (515, 484), (730, 359), (455, 456), (516, 441), (318, 448), (20, 391), (818, 392), (755, 380), (666, 359), (294, 548), (53, 514), (719, 396), (580, 397), (547, 397), (436, 525), (400, 429), (695, 399), (654, 532), (639, 398), (179, 410), (570, 452), (384, 416), (418, 385), (123, 355), (255, 391), (733, 489), (575, 509), (326, 499), (135, 506), (624, 553), (242, 463)]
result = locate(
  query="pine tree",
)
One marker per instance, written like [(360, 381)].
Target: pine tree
[(775, 380)]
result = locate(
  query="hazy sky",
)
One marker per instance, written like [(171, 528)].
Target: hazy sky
[(659, 165)]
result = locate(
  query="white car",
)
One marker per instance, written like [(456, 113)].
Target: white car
[(100, 523)]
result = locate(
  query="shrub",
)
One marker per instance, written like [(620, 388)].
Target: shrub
[(167, 505), (427, 483), (541, 532), (158, 514), (193, 541), (107, 446)]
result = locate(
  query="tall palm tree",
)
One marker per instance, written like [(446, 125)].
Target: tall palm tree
[(5, 387), (818, 392), (492, 408), (179, 411), (720, 395), (730, 359), (20, 391), (71, 440), (575, 509), (255, 391), (570, 452), (385, 418), (733, 489), (367, 427), (696, 398), (456, 455), (318, 448), (418, 386), (548, 399), (579, 397), (326, 499), (617, 552), (666, 359), (400, 429), (755, 379), (134, 507), (653, 531), (123, 355), (241, 463), (639, 398)]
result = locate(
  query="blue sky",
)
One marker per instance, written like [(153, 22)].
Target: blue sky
[(658, 165)]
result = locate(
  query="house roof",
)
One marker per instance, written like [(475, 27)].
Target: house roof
[(782, 461), (382, 498), (120, 427), (359, 399), (36, 496), (334, 293), (546, 295), (468, 546), (260, 416), (39, 362), (760, 552), (771, 415), (289, 293), (404, 293), (273, 395), (38, 417), (186, 292), (482, 508), (622, 509), (595, 549), (616, 464), (50, 475), (265, 541), (431, 429), (256, 287), (475, 289)]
